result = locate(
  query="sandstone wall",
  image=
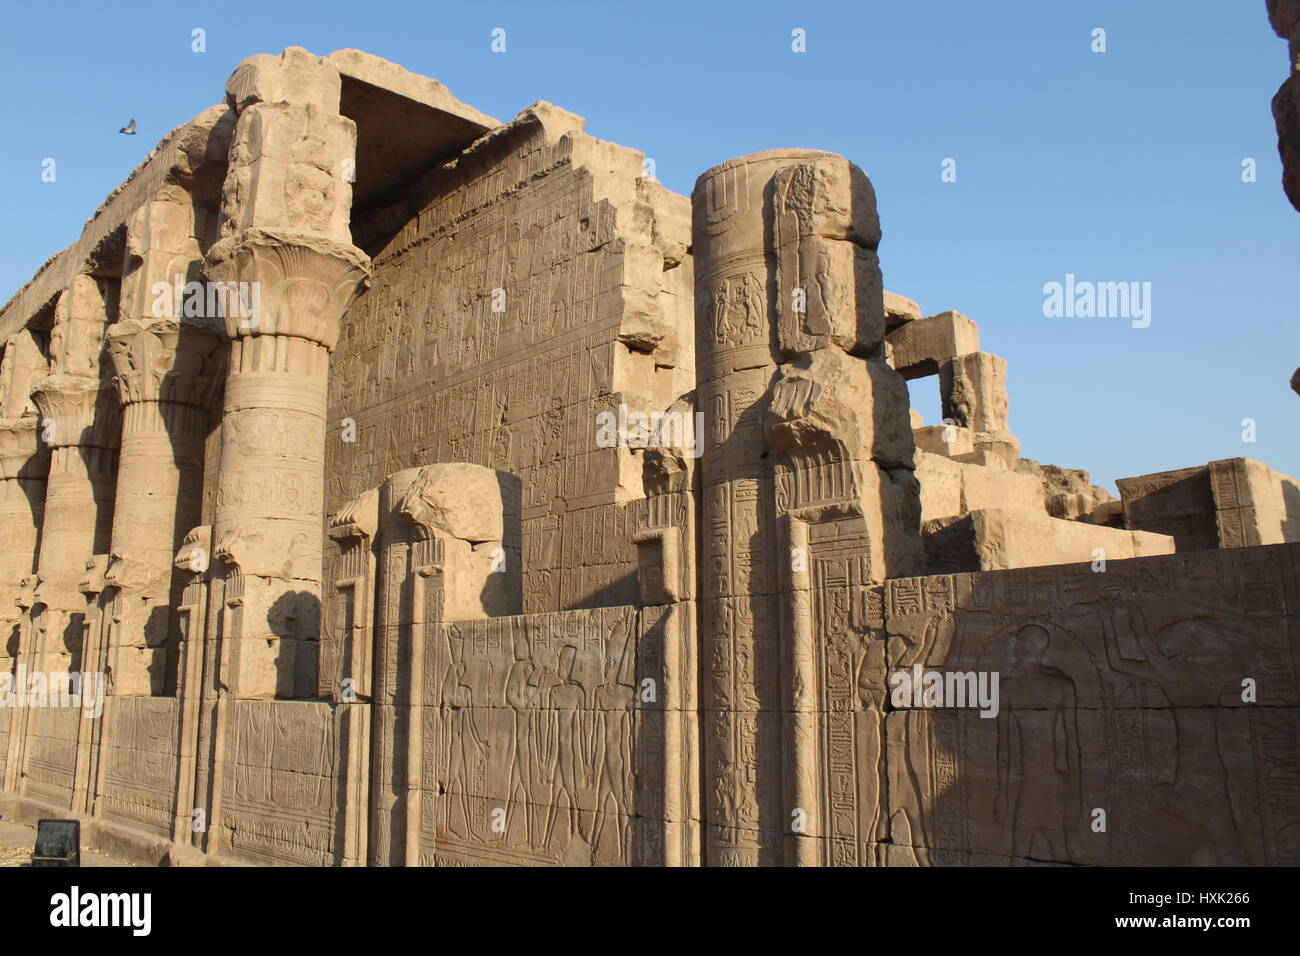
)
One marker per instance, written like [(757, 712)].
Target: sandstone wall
[(138, 783), (280, 787), (596, 312), (1121, 691)]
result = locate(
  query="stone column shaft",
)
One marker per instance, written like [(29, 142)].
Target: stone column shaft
[(78, 506), (286, 248), (79, 423), (159, 491), (807, 493)]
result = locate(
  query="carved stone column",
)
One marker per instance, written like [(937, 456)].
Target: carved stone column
[(96, 629), (286, 243), (805, 428), (28, 625), (24, 466), (668, 747), (79, 423), (441, 531), (78, 507), (191, 563), (165, 365)]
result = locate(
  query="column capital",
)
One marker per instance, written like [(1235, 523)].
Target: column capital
[(130, 574), (21, 452), (165, 360), (75, 412), (26, 597), (287, 284)]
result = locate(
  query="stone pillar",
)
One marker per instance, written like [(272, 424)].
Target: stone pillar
[(79, 424), (286, 243), (89, 738), (345, 677), (806, 430), (441, 529), (668, 749), (165, 359), (974, 394), (26, 640), (191, 563)]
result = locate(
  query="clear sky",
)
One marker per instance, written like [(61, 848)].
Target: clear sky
[(1115, 166)]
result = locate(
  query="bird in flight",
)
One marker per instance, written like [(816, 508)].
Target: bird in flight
[(129, 128)]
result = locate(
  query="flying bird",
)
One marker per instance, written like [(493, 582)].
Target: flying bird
[(129, 128)]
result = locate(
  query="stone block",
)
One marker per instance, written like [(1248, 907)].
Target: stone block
[(920, 348)]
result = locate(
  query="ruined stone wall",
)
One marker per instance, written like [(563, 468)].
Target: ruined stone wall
[(595, 300), (1231, 503), (531, 740), (1120, 691), (676, 661)]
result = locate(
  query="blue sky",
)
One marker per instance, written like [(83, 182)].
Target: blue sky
[(1115, 166)]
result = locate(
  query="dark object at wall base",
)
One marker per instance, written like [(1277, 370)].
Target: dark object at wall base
[(58, 843)]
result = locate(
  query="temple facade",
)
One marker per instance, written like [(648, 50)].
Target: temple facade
[(383, 484)]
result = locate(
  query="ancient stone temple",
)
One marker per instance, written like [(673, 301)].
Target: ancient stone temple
[(387, 485)]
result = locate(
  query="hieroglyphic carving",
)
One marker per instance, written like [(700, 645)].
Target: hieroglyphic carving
[(280, 787), (491, 335), (138, 783), (531, 740), (1120, 690)]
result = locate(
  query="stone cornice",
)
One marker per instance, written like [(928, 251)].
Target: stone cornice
[(359, 518), (195, 551)]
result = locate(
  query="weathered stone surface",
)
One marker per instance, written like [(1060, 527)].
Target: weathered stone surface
[(1283, 15), (1067, 492), (951, 487), (1286, 116), (920, 347), (993, 539), (1231, 503), (898, 310), (974, 391)]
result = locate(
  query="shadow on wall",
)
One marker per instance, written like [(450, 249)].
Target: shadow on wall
[(11, 641), (73, 631), (499, 601), (294, 618)]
